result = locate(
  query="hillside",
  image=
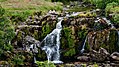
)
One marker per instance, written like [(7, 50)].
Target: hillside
[(24, 8)]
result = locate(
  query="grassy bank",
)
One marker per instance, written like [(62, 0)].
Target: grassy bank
[(24, 8)]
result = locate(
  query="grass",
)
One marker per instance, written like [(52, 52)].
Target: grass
[(29, 5), (24, 8), (78, 9)]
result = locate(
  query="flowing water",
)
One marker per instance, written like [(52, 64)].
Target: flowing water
[(83, 48), (112, 26), (52, 44), (118, 39), (34, 50), (108, 22)]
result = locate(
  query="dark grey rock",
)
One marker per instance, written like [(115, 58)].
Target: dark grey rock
[(115, 56), (83, 58)]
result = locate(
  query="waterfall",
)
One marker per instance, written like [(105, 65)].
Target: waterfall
[(52, 44), (118, 39), (108, 22), (34, 50), (83, 48)]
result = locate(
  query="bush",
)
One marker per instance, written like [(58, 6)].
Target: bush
[(113, 8), (45, 64), (6, 31), (101, 3), (18, 59), (110, 6), (68, 41), (116, 19)]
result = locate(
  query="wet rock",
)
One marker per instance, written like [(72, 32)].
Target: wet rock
[(31, 44), (4, 64), (104, 51), (69, 65), (31, 39), (83, 58), (98, 12), (114, 64), (99, 56), (111, 15), (53, 12), (83, 20), (77, 65), (115, 56)]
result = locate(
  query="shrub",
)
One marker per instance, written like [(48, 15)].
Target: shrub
[(68, 41), (113, 8), (116, 19), (6, 31), (110, 6), (45, 64), (18, 59), (101, 3)]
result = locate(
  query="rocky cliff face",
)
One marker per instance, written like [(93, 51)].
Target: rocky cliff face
[(98, 31)]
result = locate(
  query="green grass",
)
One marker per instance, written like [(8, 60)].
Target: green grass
[(29, 5), (3, 0), (24, 8), (78, 9)]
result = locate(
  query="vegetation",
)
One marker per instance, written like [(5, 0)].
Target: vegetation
[(75, 28), (46, 29), (18, 59), (110, 6), (21, 9), (45, 64), (6, 31), (101, 3), (114, 9), (68, 41), (116, 19)]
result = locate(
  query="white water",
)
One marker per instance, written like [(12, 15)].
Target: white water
[(83, 48), (108, 22), (118, 38), (34, 50), (112, 26), (52, 44), (75, 13)]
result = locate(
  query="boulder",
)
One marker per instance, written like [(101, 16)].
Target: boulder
[(31, 39), (115, 56), (83, 58), (99, 56)]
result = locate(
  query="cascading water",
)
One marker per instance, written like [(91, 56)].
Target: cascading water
[(118, 38), (108, 22), (52, 44), (34, 50), (83, 48), (112, 26)]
